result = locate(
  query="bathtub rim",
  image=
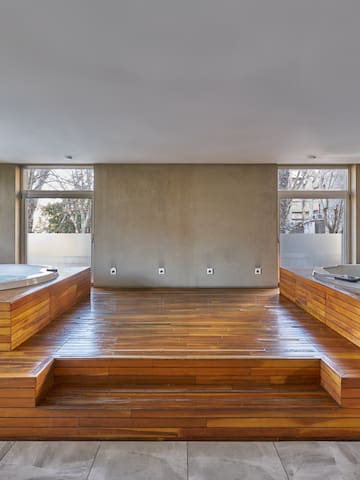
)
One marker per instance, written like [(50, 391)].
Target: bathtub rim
[(43, 275), (322, 275)]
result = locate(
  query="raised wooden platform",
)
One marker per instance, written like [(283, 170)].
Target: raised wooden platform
[(182, 364), (337, 308), (25, 311)]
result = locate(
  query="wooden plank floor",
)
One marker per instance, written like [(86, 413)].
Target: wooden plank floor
[(178, 334)]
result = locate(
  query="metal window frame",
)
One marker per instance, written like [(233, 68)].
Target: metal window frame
[(28, 194), (323, 194), (58, 193)]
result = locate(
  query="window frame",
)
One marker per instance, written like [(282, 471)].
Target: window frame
[(322, 194), (26, 194)]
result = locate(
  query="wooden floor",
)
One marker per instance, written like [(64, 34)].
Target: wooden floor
[(182, 364)]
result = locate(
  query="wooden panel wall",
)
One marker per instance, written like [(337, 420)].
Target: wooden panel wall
[(351, 391), (28, 316), (17, 391), (5, 329)]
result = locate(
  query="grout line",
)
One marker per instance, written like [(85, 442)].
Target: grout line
[(283, 466), (92, 464)]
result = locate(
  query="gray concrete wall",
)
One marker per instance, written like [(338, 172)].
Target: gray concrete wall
[(8, 214), (185, 218)]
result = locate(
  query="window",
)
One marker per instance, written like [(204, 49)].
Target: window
[(57, 216), (313, 210)]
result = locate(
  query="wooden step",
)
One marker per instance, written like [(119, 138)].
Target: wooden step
[(169, 398), (168, 383), (227, 372), (157, 398)]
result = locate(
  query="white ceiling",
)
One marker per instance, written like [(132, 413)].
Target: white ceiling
[(179, 81)]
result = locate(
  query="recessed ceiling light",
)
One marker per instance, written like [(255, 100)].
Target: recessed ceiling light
[(68, 157), (312, 157)]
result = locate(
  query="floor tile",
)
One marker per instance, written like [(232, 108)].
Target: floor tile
[(18, 472), (234, 461), (140, 461), (4, 448), (64, 459), (314, 460)]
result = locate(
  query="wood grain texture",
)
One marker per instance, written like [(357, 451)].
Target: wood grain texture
[(337, 309), (25, 311), (182, 364)]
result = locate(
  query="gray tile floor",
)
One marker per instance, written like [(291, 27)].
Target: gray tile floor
[(179, 460)]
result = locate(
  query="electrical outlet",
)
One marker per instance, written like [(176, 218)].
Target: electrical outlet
[(113, 270), (209, 271), (258, 271), (161, 270)]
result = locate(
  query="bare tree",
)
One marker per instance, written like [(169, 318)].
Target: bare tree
[(76, 211), (333, 216), (35, 179), (285, 203), (312, 180)]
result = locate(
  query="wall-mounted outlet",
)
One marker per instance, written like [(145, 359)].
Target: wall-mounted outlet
[(258, 270), (161, 270), (209, 271), (113, 270)]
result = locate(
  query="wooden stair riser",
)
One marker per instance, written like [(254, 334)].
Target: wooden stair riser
[(232, 372)]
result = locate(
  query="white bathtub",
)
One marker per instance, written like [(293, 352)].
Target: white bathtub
[(20, 275), (340, 275)]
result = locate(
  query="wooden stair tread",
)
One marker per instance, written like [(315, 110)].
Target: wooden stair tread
[(162, 397)]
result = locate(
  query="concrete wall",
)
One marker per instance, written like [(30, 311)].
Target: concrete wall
[(186, 218), (8, 214)]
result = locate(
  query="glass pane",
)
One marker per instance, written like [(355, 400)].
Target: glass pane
[(311, 231), (59, 231), (58, 179), (305, 179), (311, 215)]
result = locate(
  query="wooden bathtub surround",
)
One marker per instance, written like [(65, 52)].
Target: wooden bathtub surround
[(25, 311), (182, 364), (336, 308)]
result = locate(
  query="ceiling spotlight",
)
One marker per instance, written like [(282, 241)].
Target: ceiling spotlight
[(312, 157), (68, 157)]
